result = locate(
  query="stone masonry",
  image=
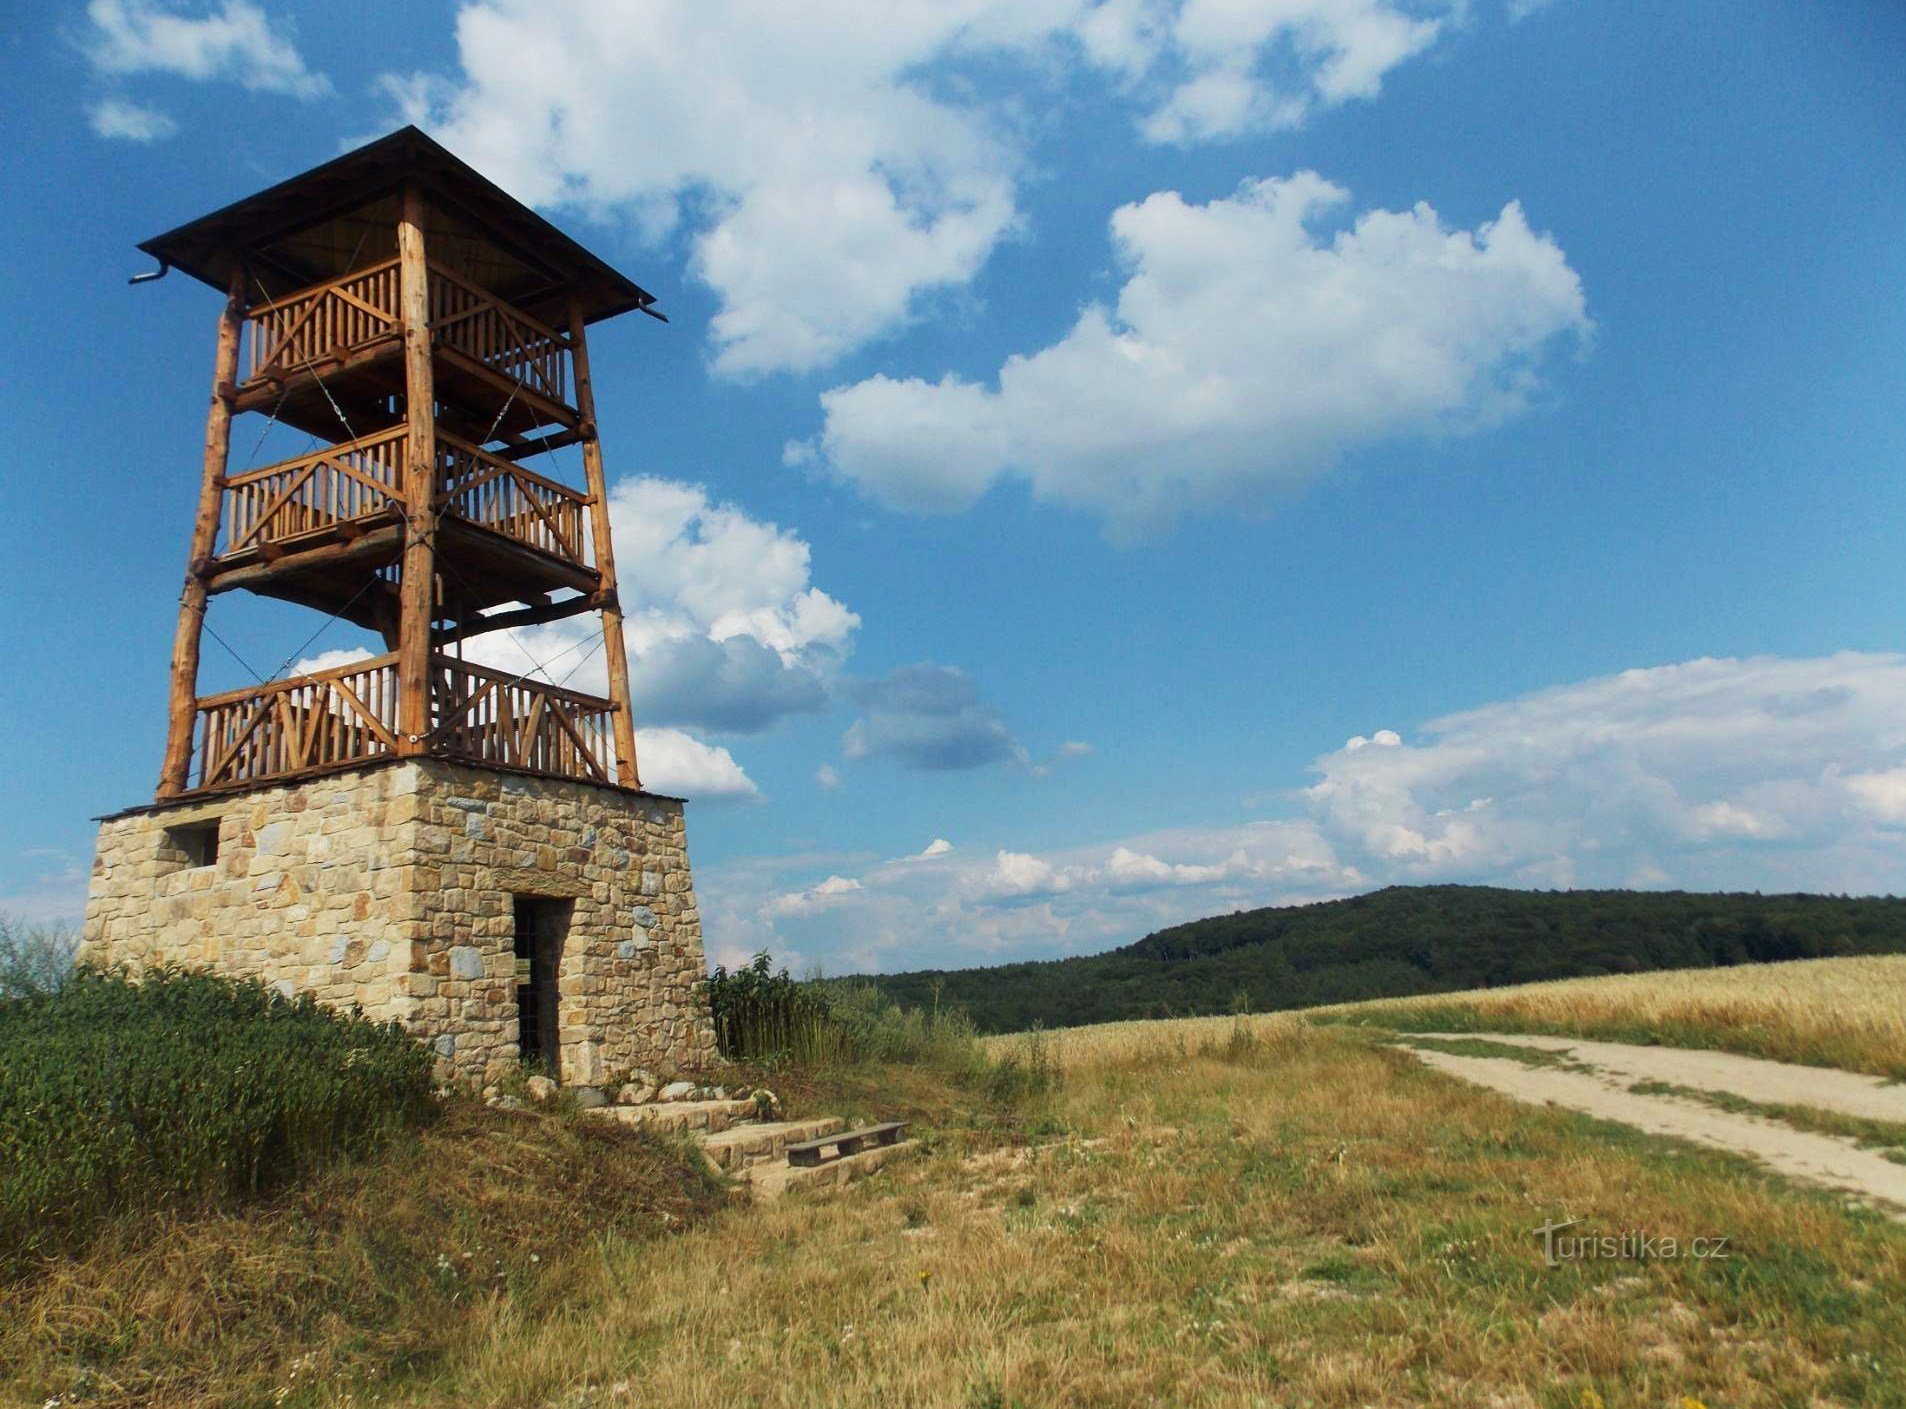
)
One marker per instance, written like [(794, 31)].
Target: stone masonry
[(393, 887)]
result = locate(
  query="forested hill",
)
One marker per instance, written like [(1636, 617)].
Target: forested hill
[(1406, 939)]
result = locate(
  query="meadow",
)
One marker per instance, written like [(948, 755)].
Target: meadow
[(1252, 1210)]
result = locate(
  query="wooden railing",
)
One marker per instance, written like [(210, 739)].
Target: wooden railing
[(482, 326), (329, 320), (498, 494), (489, 716), (300, 725), (309, 723), (341, 483), (323, 321)]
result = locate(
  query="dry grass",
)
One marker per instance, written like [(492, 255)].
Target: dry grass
[(1216, 1211), (370, 1272), (1846, 1013), (1231, 1213)]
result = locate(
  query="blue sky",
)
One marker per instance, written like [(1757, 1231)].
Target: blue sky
[(1108, 463)]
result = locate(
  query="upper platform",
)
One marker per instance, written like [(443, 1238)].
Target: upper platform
[(339, 217)]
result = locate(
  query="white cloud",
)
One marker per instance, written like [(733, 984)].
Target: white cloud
[(1225, 68), (827, 778), (818, 897), (1758, 772), (236, 42), (1767, 773), (939, 846), (1249, 348), (129, 122), (831, 182), (672, 762)]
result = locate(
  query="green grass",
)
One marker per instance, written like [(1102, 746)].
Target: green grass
[(1482, 1047), (1886, 1136)]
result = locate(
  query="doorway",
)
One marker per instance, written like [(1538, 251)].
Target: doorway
[(541, 927)]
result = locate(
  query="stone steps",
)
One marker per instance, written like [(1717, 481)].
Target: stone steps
[(753, 1143), (668, 1117), (754, 1151), (772, 1180)]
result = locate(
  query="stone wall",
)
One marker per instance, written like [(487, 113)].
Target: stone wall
[(393, 888)]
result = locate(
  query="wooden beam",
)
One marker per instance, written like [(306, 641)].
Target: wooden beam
[(182, 704), (523, 616), (417, 590), (354, 541), (615, 649)]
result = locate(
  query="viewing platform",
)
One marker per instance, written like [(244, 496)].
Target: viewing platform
[(329, 719), (328, 359), (307, 530)]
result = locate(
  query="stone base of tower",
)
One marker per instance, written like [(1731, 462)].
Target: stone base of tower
[(399, 888)]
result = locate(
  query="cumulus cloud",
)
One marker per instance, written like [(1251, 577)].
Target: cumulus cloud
[(1251, 346), (679, 764), (237, 42), (1217, 70), (928, 717), (1766, 773), (827, 778), (128, 121), (829, 180)]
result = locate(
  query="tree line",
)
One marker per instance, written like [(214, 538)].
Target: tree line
[(1405, 940)]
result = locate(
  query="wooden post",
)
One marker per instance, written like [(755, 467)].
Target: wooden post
[(182, 711), (417, 603), (615, 649)]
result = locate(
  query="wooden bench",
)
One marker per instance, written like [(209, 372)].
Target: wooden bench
[(807, 1154)]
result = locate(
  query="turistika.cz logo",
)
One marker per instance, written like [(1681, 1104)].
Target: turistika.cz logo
[(1560, 1246)]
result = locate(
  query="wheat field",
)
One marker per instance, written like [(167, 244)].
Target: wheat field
[(1847, 1013)]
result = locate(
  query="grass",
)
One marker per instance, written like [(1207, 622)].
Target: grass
[(1231, 1211), (1846, 1013), (1886, 1136), (1482, 1047), (1251, 1210), (371, 1276)]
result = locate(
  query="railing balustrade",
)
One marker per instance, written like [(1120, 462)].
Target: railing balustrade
[(482, 326), (489, 716), (327, 321), (357, 480), (330, 718), (501, 495), (306, 723)]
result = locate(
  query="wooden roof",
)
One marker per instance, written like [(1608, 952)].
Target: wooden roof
[(343, 215)]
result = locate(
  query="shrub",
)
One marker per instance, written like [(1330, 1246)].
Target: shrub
[(764, 1017), (767, 1017), (182, 1089)]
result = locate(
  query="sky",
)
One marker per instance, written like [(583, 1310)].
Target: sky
[(1107, 463)]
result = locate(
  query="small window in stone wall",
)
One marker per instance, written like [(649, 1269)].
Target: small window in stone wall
[(190, 845)]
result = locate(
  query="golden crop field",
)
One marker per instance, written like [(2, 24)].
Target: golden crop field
[(1848, 1013)]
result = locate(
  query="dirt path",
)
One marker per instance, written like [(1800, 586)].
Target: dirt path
[(1770, 1083), (1603, 1092)]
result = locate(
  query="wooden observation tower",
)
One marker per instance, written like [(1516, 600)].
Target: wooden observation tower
[(443, 843), (431, 332)]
